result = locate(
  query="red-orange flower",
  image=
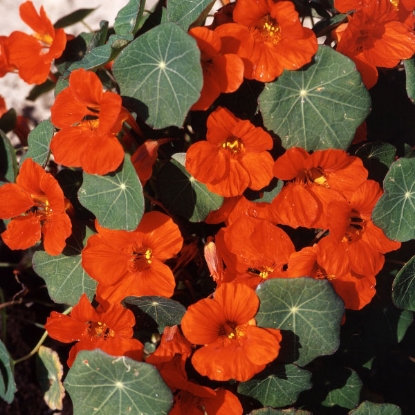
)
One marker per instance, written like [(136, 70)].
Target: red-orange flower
[(221, 72), (233, 346), (89, 120), (233, 157), (37, 207), (375, 37), (269, 37), (110, 330), (33, 54), (131, 263)]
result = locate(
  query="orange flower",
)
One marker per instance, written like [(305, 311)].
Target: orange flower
[(233, 158), (37, 207), (33, 54), (110, 330), (233, 347), (314, 181), (270, 38), (131, 263), (221, 72), (375, 37), (89, 120), (355, 290), (355, 244)]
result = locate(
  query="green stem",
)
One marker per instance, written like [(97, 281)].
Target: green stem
[(40, 342)]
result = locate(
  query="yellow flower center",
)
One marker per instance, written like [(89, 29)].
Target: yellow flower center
[(45, 38), (100, 330), (267, 30), (233, 144), (140, 259)]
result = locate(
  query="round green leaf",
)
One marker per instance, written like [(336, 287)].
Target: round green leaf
[(395, 210), (277, 387), (163, 311), (64, 276), (116, 199), (374, 154), (100, 384), (308, 310), (370, 408), (185, 12), (49, 373), (161, 69), (270, 411), (403, 288), (7, 383), (319, 106), (39, 140), (182, 194)]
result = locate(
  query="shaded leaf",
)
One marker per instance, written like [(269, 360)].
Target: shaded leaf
[(8, 120), (410, 78), (319, 106), (64, 276), (383, 153), (128, 18), (7, 384), (403, 288), (72, 18), (309, 309), (270, 411), (161, 70), (185, 12), (49, 373), (41, 89), (163, 311), (182, 194), (100, 384), (394, 212), (370, 408), (8, 162), (39, 141), (278, 388), (116, 198)]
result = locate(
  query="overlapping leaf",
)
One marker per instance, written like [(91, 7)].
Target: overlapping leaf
[(319, 106), (410, 78), (7, 384), (307, 310), (370, 408), (127, 20), (161, 70), (403, 288), (39, 140), (8, 162), (65, 278), (116, 199), (278, 388), (185, 12), (182, 194), (394, 212), (100, 384)]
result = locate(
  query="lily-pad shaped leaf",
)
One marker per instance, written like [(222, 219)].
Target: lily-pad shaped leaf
[(39, 140), (162, 311), (185, 12), (72, 18), (270, 411), (319, 106), (410, 78), (64, 276), (100, 384), (8, 161), (128, 18), (116, 199), (370, 408), (278, 388), (394, 212), (307, 310), (182, 194), (49, 373), (7, 383), (161, 70), (403, 288)]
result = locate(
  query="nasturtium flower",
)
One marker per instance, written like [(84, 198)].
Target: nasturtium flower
[(374, 37), (233, 157), (269, 37), (32, 55), (88, 119), (37, 206), (233, 347), (109, 329), (132, 263), (221, 72)]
